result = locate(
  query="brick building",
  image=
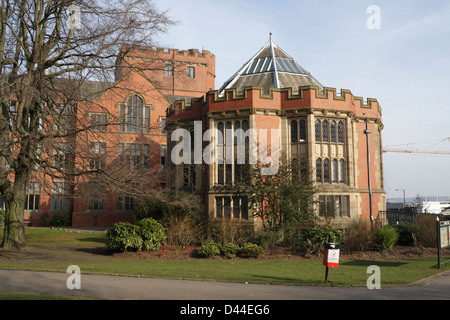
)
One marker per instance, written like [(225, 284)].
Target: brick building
[(334, 132), (122, 130)]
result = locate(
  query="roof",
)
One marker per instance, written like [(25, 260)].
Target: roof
[(270, 67)]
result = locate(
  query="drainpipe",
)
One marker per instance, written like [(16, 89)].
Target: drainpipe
[(367, 132)]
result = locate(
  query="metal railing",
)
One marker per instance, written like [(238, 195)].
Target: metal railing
[(395, 217)]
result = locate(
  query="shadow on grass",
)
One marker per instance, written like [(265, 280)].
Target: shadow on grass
[(363, 263), (93, 239), (101, 251)]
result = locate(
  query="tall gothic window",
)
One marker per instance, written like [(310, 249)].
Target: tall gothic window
[(325, 131), (317, 130), (341, 171), (333, 131), (135, 117), (326, 170), (319, 170), (334, 171), (294, 131), (298, 130), (232, 151), (340, 129)]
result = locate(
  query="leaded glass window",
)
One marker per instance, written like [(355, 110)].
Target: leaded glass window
[(319, 170), (325, 131), (340, 129), (326, 170), (333, 131), (317, 130), (294, 131)]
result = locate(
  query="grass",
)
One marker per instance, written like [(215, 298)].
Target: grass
[(32, 296), (55, 250)]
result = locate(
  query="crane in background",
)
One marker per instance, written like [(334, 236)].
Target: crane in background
[(417, 151)]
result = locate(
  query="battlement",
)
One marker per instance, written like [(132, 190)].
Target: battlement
[(166, 53), (281, 99)]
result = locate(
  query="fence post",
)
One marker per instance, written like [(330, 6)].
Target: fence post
[(438, 239)]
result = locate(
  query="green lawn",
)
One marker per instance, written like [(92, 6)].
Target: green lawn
[(57, 249)]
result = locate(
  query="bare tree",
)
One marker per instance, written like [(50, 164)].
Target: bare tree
[(57, 55)]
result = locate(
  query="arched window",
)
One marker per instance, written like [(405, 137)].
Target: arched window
[(326, 170), (317, 130), (341, 171), (333, 131), (319, 170), (325, 131), (340, 129), (294, 131), (302, 127), (220, 153), (135, 117), (334, 171)]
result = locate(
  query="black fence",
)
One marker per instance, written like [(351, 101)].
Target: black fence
[(395, 217)]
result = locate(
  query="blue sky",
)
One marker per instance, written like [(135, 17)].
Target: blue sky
[(405, 64)]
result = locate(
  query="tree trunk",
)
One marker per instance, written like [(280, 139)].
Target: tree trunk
[(14, 230)]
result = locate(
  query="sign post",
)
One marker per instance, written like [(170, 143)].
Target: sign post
[(443, 238), (330, 257)]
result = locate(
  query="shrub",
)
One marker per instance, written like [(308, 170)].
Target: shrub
[(229, 250), (228, 230), (152, 233), (147, 234), (324, 234), (251, 250), (183, 232), (356, 236), (426, 229), (266, 238), (385, 238), (209, 249), (123, 237), (315, 237), (406, 233), (55, 220)]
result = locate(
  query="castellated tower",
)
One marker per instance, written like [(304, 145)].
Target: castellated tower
[(337, 134)]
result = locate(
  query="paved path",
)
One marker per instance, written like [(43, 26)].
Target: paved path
[(135, 288)]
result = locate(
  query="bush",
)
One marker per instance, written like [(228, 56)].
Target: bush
[(426, 229), (152, 233), (266, 238), (324, 234), (123, 237), (147, 234), (229, 250), (385, 238), (251, 250), (316, 237), (183, 232), (209, 249), (356, 236), (55, 220), (229, 230), (406, 233)]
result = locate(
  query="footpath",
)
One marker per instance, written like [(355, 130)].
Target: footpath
[(111, 287)]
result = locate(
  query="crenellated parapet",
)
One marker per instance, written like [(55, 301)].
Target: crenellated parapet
[(310, 98)]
